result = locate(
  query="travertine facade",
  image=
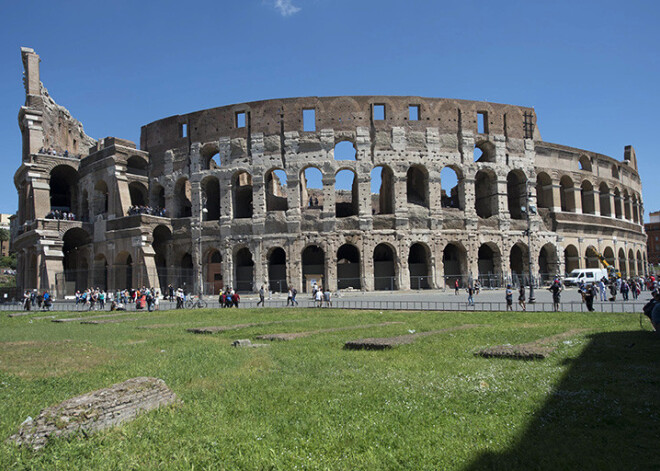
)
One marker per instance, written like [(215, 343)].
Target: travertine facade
[(241, 205)]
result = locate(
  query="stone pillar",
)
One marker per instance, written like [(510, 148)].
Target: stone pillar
[(556, 198), (294, 266), (328, 212), (260, 272), (596, 197), (330, 276), (577, 196)]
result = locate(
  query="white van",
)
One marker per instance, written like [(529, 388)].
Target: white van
[(587, 275)]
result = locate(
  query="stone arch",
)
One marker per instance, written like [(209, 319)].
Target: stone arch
[(385, 267), (618, 212), (631, 262), (591, 257), (183, 198), (623, 263), (242, 195), (138, 193), (382, 190), (157, 196), (627, 214), (213, 277), (452, 187), (544, 195), (211, 198), (485, 189), (74, 263), (608, 254), (640, 264), (311, 188), (587, 197), (313, 266), (417, 185), (516, 187), (585, 163), (548, 262), (344, 149), (484, 151), (605, 208), (567, 192), (519, 262), (348, 267), (210, 155), (63, 188), (136, 165), (277, 276), (489, 265), (454, 260), (419, 266), (346, 194), (635, 210), (276, 190), (123, 270), (571, 259)]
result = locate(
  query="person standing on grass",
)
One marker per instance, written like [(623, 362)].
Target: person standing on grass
[(262, 295), (509, 298), (521, 297)]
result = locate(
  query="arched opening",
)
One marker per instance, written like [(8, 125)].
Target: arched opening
[(591, 258), (242, 186), (276, 194), (345, 150), (382, 190), (627, 213), (489, 264), (417, 186), (63, 188), (635, 209), (157, 198), (516, 186), (419, 259), (348, 267), (210, 157), (123, 271), (640, 264), (631, 262), (544, 191), (454, 260), (451, 185), (136, 166), (182, 198), (313, 267), (100, 201), (623, 265), (187, 273), (608, 254), (214, 281), (618, 213), (100, 272), (485, 190), (384, 268), (346, 194), (162, 237), (548, 263), (211, 198), (567, 192), (585, 163), (277, 278), (75, 261), (587, 197), (519, 263), (605, 208), (311, 189), (138, 193), (571, 259), (484, 151)]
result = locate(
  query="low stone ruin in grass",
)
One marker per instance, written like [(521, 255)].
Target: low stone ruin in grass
[(297, 335), (248, 344), (391, 342), (537, 350), (94, 411)]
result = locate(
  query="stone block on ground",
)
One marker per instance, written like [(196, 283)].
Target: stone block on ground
[(247, 343), (296, 335), (537, 350), (391, 342), (108, 321), (94, 411)]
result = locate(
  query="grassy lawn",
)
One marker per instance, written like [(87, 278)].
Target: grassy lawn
[(309, 404)]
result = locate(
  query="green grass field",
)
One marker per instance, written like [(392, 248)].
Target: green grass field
[(310, 404)]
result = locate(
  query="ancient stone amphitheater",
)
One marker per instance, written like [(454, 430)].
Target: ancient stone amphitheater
[(365, 192)]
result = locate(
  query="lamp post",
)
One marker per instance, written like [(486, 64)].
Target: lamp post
[(529, 209), (199, 245)]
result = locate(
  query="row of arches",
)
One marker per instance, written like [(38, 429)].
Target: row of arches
[(629, 263)]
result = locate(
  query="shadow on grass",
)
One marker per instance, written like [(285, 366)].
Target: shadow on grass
[(603, 414)]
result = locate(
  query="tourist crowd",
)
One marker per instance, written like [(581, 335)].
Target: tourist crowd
[(162, 212), (65, 215), (51, 151)]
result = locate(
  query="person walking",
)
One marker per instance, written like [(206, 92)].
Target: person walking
[(294, 293), (262, 295), (521, 297), (508, 294), (470, 293), (456, 286), (589, 294)]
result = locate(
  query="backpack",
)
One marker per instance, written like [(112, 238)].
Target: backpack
[(648, 308)]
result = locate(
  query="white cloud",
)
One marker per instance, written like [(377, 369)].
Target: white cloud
[(286, 8)]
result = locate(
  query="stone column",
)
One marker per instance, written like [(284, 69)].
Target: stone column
[(556, 198), (577, 196), (260, 267), (328, 211), (596, 197), (400, 199)]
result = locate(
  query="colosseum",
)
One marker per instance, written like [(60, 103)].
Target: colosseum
[(361, 192)]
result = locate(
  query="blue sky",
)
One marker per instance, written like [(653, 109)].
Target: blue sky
[(591, 69)]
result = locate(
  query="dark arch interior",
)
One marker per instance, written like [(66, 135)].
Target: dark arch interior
[(244, 270), (418, 265), (384, 269), (417, 187), (313, 265), (63, 183), (277, 278), (348, 267)]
